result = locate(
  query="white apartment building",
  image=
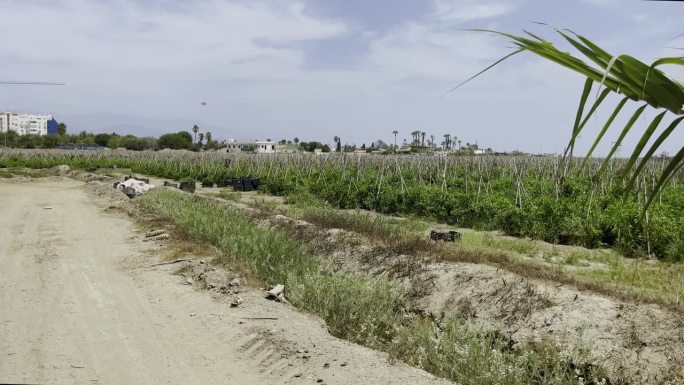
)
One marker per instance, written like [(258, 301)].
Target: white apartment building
[(24, 124), (260, 147)]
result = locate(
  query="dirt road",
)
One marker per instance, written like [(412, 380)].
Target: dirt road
[(72, 310)]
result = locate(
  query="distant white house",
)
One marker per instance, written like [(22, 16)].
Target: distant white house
[(258, 146)]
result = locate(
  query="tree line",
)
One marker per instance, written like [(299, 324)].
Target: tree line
[(181, 140), (197, 141)]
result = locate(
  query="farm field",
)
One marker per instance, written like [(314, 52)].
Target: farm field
[(474, 311), (535, 197)]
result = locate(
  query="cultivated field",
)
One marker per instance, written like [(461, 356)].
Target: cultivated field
[(559, 277)]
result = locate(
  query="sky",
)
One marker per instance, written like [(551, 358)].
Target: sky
[(314, 69)]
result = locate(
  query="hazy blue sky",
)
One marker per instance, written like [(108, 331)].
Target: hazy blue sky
[(314, 69)]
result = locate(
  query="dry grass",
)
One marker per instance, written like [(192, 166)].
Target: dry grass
[(600, 270), (14, 172), (366, 310)]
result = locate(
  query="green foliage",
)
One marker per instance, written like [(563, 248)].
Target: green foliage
[(621, 75), (178, 141), (102, 139), (61, 129), (251, 148), (366, 310), (522, 196), (471, 357), (311, 146), (129, 142)]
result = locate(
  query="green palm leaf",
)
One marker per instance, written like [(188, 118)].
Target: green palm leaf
[(624, 75)]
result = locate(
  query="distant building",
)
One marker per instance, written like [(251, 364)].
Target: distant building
[(24, 124), (257, 146)]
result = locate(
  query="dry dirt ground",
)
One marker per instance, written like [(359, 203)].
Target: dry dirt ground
[(74, 310)]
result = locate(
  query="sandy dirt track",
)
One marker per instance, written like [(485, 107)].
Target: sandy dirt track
[(72, 310)]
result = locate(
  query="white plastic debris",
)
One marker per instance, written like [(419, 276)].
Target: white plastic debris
[(133, 187)]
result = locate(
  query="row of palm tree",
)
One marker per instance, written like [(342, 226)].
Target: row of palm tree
[(202, 136), (418, 139)]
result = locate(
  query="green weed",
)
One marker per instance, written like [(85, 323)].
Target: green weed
[(363, 309)]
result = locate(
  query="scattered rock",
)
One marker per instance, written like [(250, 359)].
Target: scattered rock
[(193, 314), (326, 365), (62, 169), (237, 281), (343, 364), (237, 301), (217, 278), (297, 375)]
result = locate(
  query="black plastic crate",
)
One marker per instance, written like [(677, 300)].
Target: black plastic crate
[(224, 183), (446, 236), (187, 186)]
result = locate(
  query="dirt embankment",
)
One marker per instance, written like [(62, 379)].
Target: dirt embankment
[(79, 305), (643, 342)]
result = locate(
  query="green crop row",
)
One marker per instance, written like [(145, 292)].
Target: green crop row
[(541, 198)]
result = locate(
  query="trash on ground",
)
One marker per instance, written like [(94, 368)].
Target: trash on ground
[(159, 237), (276, 293), (133, 187), (154, 233)]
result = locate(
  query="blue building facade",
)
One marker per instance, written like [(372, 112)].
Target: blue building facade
[(52, 127)]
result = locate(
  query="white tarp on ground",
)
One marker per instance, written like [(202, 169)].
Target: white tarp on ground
[(133, 187)]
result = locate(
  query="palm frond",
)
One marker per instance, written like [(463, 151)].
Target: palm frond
[(625, 75)]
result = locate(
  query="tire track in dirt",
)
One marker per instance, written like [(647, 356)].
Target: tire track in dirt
[(72, 314)]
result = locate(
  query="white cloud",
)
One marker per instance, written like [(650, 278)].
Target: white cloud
[(420, 50), (248, 60), (601, 3), (467, 10), (126, 37)]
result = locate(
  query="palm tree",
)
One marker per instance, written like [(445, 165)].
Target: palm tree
[(338, 146), (395, 132), (415, 135), (459, 144), (621, 75), (432, 140), (447, 141), (422, 138), (61, 129), (195, 129), (201, 135), (208, 136)]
